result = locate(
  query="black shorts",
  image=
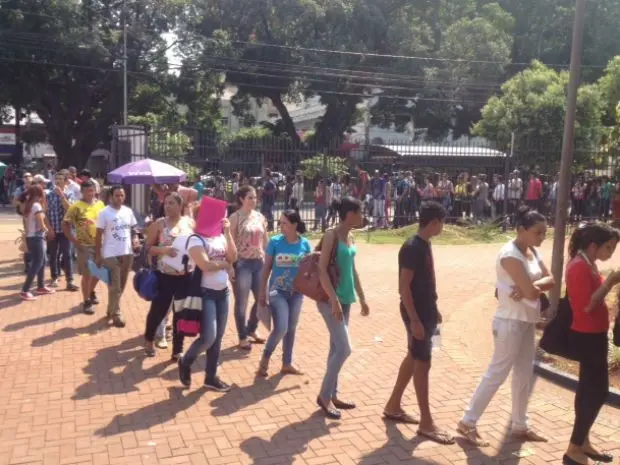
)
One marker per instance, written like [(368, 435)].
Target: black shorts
[(419, 349)]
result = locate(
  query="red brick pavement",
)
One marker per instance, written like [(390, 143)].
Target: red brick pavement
[(73, 391)]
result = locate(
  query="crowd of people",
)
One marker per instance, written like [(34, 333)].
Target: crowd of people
[(74, 214)]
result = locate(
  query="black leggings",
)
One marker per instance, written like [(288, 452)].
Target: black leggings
[(593, 384), (168, 287)]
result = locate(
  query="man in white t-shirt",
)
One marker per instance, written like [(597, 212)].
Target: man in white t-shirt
[(113, 249)]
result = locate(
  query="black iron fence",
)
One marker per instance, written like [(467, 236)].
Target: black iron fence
[(390, 178)]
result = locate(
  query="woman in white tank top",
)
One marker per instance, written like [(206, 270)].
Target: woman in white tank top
[(521, 278)]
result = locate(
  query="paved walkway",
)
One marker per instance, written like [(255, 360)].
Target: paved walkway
[(74, 391)]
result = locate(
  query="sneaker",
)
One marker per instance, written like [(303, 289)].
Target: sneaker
[(27, 296), (93, 299), (72, 287), (54, 283), (44, 291), (161, 343), (177, 357), (185, 374), (217, 385), (118, 321), (87, 308)]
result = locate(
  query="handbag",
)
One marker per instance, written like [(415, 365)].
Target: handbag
[(145, 279), (617, 331), (556, 338), (307, 281), (188, 317)]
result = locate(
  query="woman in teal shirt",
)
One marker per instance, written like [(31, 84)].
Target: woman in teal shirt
[(282, 257), (336, 312)]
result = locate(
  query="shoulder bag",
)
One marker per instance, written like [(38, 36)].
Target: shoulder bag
[(307, 281), (556, 338), (188, 317)]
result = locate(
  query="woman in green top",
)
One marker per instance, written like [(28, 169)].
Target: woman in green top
[(336, 311)]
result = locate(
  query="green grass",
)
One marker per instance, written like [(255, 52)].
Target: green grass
[(451, 235)]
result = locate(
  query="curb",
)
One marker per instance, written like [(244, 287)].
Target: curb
[(569, 381)]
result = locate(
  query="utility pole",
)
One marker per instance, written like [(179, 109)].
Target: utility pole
[(125, 91), (557, 263)]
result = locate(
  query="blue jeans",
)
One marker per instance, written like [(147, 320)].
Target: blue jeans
[(36, 252), (60, 246), (212, 328), (247, 278), (339, 348), (285, 309)]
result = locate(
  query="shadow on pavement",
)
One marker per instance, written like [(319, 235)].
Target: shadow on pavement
[(289, 442), (154, 414), (43, 320)]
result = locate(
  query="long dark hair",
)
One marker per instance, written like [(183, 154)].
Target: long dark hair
[(527, 217), (35, 194), (591, 233), (294, 218)]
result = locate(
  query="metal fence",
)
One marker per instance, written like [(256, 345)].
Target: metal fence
[(221, 164)]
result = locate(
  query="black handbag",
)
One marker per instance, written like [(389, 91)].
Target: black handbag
[(556, 338), (617, 331)]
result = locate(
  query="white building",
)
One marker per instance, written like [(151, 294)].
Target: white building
[(230, 122)]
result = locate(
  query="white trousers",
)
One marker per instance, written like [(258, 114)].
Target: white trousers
[(515, 348), (378, 211)]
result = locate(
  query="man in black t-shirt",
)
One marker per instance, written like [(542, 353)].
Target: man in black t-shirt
[(418, 309)]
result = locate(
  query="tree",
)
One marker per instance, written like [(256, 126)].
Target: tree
[(65, 58), (324, 165), (532, 105)]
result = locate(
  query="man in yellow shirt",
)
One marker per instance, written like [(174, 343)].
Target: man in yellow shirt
[(82, 217)]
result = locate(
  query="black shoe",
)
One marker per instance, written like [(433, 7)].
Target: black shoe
[(343, 405), (87, 307), (331, 413), (119, 322), (604, 458), (185, 374), (93, 298), (72, 287), (217, 385)]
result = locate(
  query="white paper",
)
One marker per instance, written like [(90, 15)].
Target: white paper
[(176, 263)]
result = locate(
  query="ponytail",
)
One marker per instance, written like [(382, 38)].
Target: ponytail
[(591, 233)]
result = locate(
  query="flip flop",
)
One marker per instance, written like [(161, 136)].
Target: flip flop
[(401, 417), (440, 437), (471, 434)]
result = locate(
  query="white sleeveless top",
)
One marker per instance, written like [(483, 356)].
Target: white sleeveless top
[(524, 310)]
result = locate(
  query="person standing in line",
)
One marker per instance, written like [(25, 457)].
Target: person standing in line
[(199, 187), (170, 281), (377, 189), (499, 194), (336, 311), (297, 192), (421, 316), (282, 257), (586, 290), (270, 190), (113, 249), (388, 199), (606, 191), (515, 194), (521, 278), (320, 205), (249, 232), (215, 257), (58, 201), (534, 191), (86, 176), (36, 228), (336, 195), (82, 217)]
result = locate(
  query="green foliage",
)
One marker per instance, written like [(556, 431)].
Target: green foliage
[(532, 105), (323, 165)]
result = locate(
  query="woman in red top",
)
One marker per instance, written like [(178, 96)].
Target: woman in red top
[(586, 291)]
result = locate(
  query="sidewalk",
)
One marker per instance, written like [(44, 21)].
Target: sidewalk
[(75, 391)]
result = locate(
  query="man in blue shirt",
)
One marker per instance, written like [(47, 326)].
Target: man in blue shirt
[(58, 200)]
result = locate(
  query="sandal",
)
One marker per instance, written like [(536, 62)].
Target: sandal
[(331, 413), (291, 370), (529, 436), (343, 404), (401, 417), (256, 339), (438, 436), (471, 434)]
